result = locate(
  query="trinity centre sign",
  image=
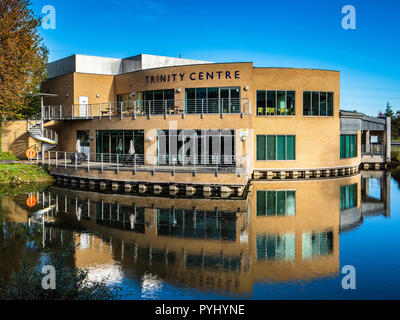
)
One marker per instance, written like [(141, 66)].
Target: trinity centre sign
[(173, 77)]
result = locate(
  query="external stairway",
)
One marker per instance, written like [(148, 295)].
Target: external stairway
[(36, 130)]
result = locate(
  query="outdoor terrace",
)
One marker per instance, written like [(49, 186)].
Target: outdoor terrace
[(148, 108)]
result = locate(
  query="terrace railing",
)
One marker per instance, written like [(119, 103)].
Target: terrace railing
[(148, 108), (145, 163), (373, 150)]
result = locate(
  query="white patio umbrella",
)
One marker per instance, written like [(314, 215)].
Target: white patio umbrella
[(131, 148), (132, 219), (78, 146), (79, 213)]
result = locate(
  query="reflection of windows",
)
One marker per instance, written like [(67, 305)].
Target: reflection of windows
[(317, 103), (276, 102), (317, 244), (348, 146), (276, 147), (212, 262), (348, 196), (197, 224), (276, 246), (276, 203)]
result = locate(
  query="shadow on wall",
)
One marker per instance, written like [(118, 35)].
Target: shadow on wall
[(15, 138)]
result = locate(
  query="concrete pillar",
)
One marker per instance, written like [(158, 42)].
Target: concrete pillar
[(157, 189), (128, 187), (207, 191), (173, 190), (190, 191), (367, 142), (270, 175), (388, 139), (142, 188), (114, 186)]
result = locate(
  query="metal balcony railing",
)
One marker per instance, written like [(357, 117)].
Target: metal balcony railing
[(148, 108), (373, 150), (146, 163)]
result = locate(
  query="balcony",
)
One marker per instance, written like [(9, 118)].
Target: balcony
[(148, 108), (214, 164), (374, 153)]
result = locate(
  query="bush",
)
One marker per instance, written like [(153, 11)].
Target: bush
[(7, 156), (395, 155), (71, 283)]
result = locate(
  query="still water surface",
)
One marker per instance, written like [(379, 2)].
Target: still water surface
[(287, 240)]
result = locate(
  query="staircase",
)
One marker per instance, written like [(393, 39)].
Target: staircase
[(36, 130)]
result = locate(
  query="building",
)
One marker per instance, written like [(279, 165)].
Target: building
[(199, 122)]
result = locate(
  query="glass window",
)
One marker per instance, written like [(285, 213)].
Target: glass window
[(315, 103), (271, 147), (271, 203), (277, 147), (290, 148), (261, 155), (281, 147), (83, 137), (317, 244), (271, 102), (307, 103), (322, 104), (291, 102), (281, 103), (330, 103), (291, 203), (261, 203), (348, 146), (261, 100)]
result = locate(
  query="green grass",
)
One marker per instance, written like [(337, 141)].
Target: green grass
[(7, 156), (19, 173)]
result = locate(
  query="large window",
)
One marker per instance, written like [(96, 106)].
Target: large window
[(113, 142), (271, 147), (276, 103), (316, 103), (276, 203), (212, 100), (317, 244), (276, 246), (348, 146), (156, 102), (348, 197), (206, 147)]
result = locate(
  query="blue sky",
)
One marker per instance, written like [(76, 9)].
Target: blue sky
[(284, 33)]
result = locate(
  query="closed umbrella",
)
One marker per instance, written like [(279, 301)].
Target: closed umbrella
[(131, 148), (78, 146)]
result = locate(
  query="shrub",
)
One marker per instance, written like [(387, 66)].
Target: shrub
[(7, 156)]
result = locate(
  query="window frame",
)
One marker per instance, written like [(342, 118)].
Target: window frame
[(327, 109), (276, 112), (276, 147)]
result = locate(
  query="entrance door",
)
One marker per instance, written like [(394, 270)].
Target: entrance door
[(83, 106)]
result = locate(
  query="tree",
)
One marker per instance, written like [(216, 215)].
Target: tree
[(23, 58), (389, 112)]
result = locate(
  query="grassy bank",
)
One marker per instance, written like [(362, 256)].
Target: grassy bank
[(20, 173)]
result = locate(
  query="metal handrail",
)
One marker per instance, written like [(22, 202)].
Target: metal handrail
[(147, 163), (148, 108)]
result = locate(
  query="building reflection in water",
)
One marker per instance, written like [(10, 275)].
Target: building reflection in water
[(283, 231)]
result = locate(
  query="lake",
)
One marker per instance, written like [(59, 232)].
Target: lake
[(284, 240)]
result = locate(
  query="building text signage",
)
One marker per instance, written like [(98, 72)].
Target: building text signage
[(217, 75)]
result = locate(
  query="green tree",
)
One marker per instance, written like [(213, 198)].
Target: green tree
[(389, 112), (23, 58)]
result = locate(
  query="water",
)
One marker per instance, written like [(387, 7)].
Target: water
[(287, 240)]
